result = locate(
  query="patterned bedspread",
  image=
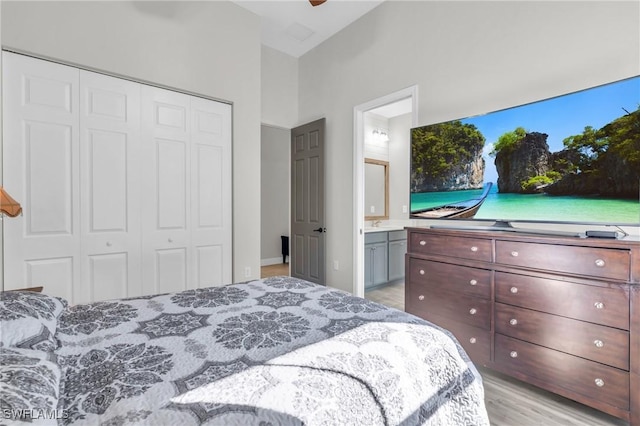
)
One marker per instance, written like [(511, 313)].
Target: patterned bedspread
[(279, 351)]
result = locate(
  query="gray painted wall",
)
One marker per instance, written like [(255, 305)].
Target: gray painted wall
[(467, 58), (275, 192), (399, 166), (210, 48), (279, 75)]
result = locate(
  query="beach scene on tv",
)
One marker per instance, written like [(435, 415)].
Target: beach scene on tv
[(573, 158)]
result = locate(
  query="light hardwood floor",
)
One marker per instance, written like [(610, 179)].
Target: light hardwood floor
[(509, 402), (274, 270)]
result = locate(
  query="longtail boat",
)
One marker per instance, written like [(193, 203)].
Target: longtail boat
[(459, 210)]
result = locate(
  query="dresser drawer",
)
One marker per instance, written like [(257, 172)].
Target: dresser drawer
[(590, 261), (443, 276), (591, 379), (595, 342), (446, 245), (600, 305), (464, 309), (475, 341)]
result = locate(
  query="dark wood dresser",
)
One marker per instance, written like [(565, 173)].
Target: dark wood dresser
[(561, 313)]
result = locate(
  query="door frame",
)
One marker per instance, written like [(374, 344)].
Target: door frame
[(358, 174)]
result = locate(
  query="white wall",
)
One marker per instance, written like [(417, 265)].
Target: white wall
[(375, 146), (279, 114), (279, 75), (399, 166), (466, 58), (210, 48), (275, 192)]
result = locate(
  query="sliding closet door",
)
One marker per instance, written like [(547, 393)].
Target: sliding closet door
[(166, 197), (40, 170), (125, 188), (211, 192), (186, 197), (110, 187)]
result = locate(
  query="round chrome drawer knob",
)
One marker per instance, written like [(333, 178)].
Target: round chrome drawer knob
[(599, 263), (598, 343), (474, 248), (473, 311), (423, 242), (421, 297), (108, 243), (513, 354), (473, 282), (514, 253), (599, 305), (513, 321), (599, 382), (513, 290), (472, 340), (421, 271), (170, 240)]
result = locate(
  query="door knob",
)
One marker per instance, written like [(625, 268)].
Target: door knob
[(320, 230)]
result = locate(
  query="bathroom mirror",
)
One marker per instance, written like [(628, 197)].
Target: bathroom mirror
[(376, 189)]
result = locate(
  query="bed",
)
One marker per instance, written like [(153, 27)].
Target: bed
[(276, 351)]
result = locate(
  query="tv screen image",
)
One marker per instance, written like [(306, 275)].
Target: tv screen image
[(572, 158)]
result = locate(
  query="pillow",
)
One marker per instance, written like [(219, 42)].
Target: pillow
[(30, 388), (29, 320)]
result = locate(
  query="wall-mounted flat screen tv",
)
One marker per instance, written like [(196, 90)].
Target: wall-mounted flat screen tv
[(572, 158)]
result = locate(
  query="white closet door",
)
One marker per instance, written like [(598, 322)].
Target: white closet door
[(126, 188), (40, 170), (110, 187), (166, 197), (211, 192)]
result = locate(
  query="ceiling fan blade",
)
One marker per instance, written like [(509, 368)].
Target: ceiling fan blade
[(316, 2)]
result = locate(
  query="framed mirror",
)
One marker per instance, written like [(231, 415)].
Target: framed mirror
[(376, 189)]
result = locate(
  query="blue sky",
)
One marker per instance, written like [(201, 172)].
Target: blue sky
[(559, 117)]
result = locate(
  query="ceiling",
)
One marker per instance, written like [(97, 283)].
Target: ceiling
[(295, 27)]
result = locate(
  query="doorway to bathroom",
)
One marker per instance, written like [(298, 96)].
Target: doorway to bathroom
[(381, 135)]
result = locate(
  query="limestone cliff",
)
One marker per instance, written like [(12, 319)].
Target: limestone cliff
[(612, 178), (460, 175), (529, 157)]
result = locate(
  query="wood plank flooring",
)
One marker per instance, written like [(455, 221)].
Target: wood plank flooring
[(509, 402), (274, 270)]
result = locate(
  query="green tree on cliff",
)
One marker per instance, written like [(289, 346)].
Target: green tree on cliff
[(588, 146), (621, 137), (507, 141), (439, 147)]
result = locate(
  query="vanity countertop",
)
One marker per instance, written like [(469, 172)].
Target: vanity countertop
[(383, 228)]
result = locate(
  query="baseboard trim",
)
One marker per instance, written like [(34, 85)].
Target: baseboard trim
[(271, 261)]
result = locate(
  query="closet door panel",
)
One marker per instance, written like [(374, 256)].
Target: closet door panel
[(110, 187), (106, 183), (40, 170), (107, 274), (211, 191), (56, 274), (171, 184), (166, 198), (49, 178), (171, 269), (209, 266)]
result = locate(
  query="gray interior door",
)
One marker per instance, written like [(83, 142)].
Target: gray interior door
[(307, 255)]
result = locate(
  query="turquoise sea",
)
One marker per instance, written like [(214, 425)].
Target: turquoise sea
[(537, 206)]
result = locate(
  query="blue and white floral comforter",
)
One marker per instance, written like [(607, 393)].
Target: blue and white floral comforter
[(279, 351)]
